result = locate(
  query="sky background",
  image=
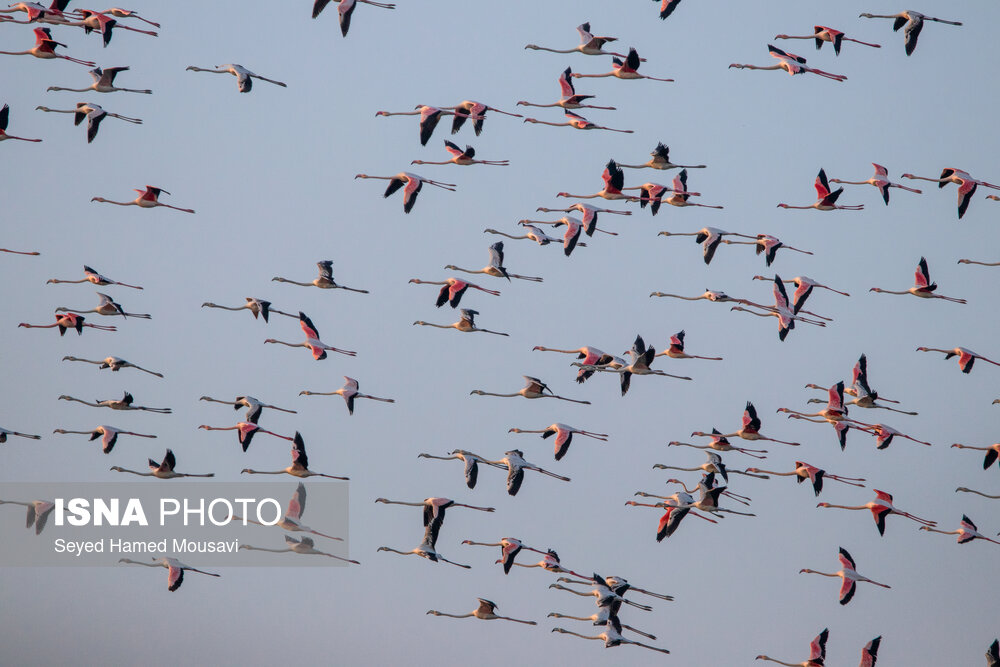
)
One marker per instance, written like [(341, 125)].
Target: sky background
[(270, 175)]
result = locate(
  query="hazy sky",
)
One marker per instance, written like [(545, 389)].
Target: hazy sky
[(270, 174)]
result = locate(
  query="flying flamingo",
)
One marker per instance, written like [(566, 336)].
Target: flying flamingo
[(601, 617), (611, 590), (470, 459), (38, 513), (627, 69), (589, 44), (463, 157), (20, 252), (485, 612), (676, 349), (881, 181), (720, 444), (714, 464), (781, 310), (467, 324), (413, 185), (94, 115), (349, 392), (323, 281), (254, 406), (804, 471), (791, 63), (345, 8), (652, 193), (768, 246), (803, 289), (880, 508), (495, 268), (477, 112), (4, 118), (254, 305), (104, 24), (614, 180), (612, 636), (966, 532), (531, 233), (914, 22), (175, 570), (429, 118), (37, 12), (107, 434), (93, 277), (424, 550), (245, 432), (162, 470), (516, 465), (705, 488), (821, 34), (124, 403), (848, 575), (300, 463), (966, 357), (978, 493), (677, 507), (709, 295), (885, 434), (992, 453), (45, 48), (128, 14), (835, 409), (148, 198), (826, 199), (564, 436), (107, 307), (66, 321), (576, 121), (550, 562), (304, 545), (568, 99), (966, 185), (641, 356), (661, 160), (312, 341), (589, 214), (922, 287), (750, 429), (510, 547), (817, 653), (292, 520), (244, 77), (452, 291), (434, 513), (5, 432), (588, 356), (962, 261), (708, 237)]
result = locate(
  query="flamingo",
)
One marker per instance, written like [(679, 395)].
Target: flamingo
[(589, 44), (661, 160), (531, 233), (781, 310), (495, 268), (803, 289), (463, 157), (5, 432), (300, 463), (714, 464), (21, 252), (627, 69), (470, 459), (978, 493), (881, 181), (477, 112), (992, 453), (93, 277), (885, 434), (826, 199), (312, 341), (709, 295), (551, 563), (914, 22), (702, 487), (45, 48), (588, 356), (452, 291), (641, 356), (413, 184), (107, 307), (510, 547), (485, 612), (429, 118), (970, 261), (835, 409), (349, 392), (148, 198), (817, 653), (652, 194), (791, 63), (128, 14), (966, 532), (677, 507), (516, 465), (922, 287), (254, 305), (66, 321), (804, 471), (880, 508), (750, 428), (94, 115), (175, 570), (821, 34), (612, 636), (467, 324), (576, 121), (254, 406), (966, 357), (568, 99), (244, 77), (719, 443), (323, 281), (38, 512), (162, 470), (345, 8), (589, 214), (245, 432), (303, 545), (564, 436), (967, 185), (4, 118), (865, 398), (107, 434), (676, 349), (292, 520), (614, 181), (708, 237), (848, 575), (104, 24), (124, 403)]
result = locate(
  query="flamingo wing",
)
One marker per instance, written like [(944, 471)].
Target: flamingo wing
[(847, 589), (566, 88), (613, 176), (299, 451), (667, 8), (817, 648), (410, 193), (922, 276), (869, 654), (175, 577)]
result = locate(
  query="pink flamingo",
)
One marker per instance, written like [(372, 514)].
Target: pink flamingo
[(588, 356), (791, 63), (676, 349), (463, 157), (652, 194), (781, 310), (881, 181), (966, 357), (992, 453), (245, 431), (589, 214), (93, 113), (477, 112), (569, 98), (345, 9), (45, 48), (299, 466), (412, 182), (966, 532), (323, 281), (108, 307), (94, 278), (720, 444), (104, 24), (768, 246), (750, 429), (4, 118), (821, 34), (258, 307), (533, 388), (803, 471), (510, 547), (576, 121), (614, 181), (6, 432), (848, 574), (627, 69), (349, 392), (880, 508), (114, 363), (128, 14), (835, 409), (803, 288), (817, 653), (465, 324), (66, 321), (589, 44), (922, 287), (453, 290), (496, 268), (429, 118), (564, 436), (677, 507), (162, 470), (470, 459), (486, 611), (107, 434), (315, 345), (826, 200), (148, 198), (971, 261), (175, 570), (661, 160), (709, 238), (966, 185), (914, 22)]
